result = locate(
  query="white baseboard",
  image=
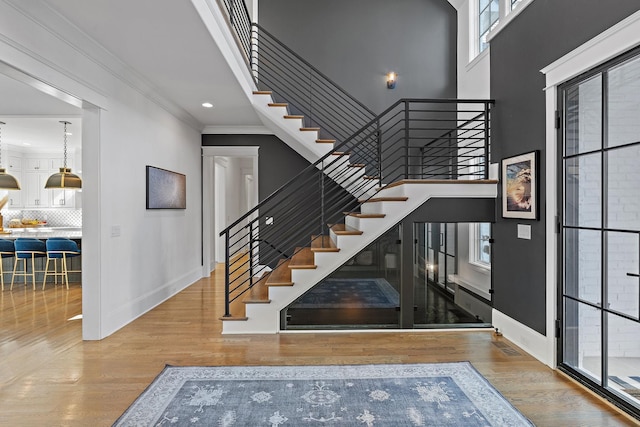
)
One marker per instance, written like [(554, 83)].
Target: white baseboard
[(539, 346), (128, 313)]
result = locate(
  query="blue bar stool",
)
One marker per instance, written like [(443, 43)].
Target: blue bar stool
[(7, 250), (59, 249), (28, 249)]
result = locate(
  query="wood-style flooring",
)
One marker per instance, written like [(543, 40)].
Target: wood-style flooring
[(50, 377)]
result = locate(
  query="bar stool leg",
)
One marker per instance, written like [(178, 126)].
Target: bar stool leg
[(15, 265), (46, 272), (1, 274), (64, 269), (33, 272)]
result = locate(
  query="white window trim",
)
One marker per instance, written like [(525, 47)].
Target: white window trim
[(474, 229), (506, 16)]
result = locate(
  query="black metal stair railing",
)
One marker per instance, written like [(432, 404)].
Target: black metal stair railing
[(306, 90), (412, 139), (293, 80)]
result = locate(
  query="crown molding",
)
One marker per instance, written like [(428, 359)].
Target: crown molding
[(52, 21)]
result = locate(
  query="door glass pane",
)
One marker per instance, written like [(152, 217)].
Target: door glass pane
[(583, 191), (582, 332), (623, 358), (624, 104), (583, 115), (623, 291), (583, 255), (623, 181)]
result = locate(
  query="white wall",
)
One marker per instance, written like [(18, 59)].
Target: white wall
[(157, 253), (473, 75)]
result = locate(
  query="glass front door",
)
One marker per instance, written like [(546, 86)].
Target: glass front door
[(600, 296)]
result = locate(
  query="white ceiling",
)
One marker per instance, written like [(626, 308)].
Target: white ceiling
[(167, 43), (164, 41)]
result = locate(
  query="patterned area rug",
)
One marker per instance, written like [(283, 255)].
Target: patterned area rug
[(350, 293), (441, 394)]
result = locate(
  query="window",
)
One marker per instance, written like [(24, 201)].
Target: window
[(514, 3), (488, 14), (481, 247)]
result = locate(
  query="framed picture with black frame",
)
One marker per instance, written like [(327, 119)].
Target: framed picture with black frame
[(166, 189), (520, 186)]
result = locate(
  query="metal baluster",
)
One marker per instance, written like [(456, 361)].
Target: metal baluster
[(486, 140), (406, 139), (227, 308)]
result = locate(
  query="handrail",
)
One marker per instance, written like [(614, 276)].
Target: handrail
[(346, 143), (308, 64), (386, 149)]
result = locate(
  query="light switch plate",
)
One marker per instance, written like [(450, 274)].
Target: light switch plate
[(115, 231), (524, 231)]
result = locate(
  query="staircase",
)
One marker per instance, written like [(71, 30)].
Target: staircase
[(368, 172), (258, 311)]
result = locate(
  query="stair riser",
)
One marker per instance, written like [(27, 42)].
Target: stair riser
[(365, 225), (380, 207)]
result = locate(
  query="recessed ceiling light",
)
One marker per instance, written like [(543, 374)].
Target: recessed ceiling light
[(207, 105), (26, 143)]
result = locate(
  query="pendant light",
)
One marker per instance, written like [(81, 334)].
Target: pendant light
[(7, 182), (64, 178)]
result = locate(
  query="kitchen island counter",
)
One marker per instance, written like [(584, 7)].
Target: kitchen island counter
[(43, 232)]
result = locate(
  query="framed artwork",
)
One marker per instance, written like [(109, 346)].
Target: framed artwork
[(166, 189), (519, 186)]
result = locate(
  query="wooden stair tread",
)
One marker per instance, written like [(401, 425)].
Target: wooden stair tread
[(309, 129), (341, 153), (326, 141), (281, 275), (364, 215), (370, 177), (323, 244), (262, 92), (259, 292), (343, 230), (303, 259), (357, 165), (293, 116), (441, 181), (383, 199), (278, 104)]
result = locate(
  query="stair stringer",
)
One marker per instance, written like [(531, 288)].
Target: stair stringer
[(288, 130), (304, 142), (265, 318)]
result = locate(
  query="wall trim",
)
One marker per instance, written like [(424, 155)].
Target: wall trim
[(612, 42), (59, 27), (145, 303), (607, 45), (230, 151), (524, 337), (236, 130)]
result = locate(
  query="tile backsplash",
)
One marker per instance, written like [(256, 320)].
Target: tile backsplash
[(54, 217)]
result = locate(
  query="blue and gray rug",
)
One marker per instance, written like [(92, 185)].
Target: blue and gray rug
[(350, 293), (442, 394)]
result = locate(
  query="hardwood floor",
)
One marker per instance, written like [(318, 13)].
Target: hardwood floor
[(49, 376)]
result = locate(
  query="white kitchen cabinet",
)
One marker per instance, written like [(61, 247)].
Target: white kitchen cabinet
[(14, 163), (61, 198), (34, 194), (15, 196), (36, 164), (57, 163)]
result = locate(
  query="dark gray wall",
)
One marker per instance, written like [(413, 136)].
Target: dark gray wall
[(277, 162), (545, 31), (356, 42)]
